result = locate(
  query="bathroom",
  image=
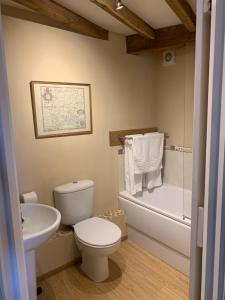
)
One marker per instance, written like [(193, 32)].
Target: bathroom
[(128, 92)]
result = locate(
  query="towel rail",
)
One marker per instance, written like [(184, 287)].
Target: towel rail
[(123, 138), (114, 135)]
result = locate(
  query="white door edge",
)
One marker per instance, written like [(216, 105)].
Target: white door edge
[(12, 261), (199, 142), (211, 259)]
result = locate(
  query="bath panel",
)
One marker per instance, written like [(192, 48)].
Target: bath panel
[(159, 216)]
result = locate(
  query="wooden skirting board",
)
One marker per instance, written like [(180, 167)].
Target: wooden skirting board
[(59, 269), (114, 136)]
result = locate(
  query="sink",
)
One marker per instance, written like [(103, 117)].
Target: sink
[(40, 223)]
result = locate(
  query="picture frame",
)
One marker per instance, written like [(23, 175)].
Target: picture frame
[(61, 108)]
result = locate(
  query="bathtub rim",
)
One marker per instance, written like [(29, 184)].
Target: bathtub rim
[(125, 195)]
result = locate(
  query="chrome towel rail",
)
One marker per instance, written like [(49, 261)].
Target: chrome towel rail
[(123, 138)]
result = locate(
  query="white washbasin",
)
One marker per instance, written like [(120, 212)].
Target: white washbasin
[(40, 223)]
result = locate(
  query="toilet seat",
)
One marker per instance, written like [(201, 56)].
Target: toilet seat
[(97, 232), (96, 246)]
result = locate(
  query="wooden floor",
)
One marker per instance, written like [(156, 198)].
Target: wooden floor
[(135, 274)]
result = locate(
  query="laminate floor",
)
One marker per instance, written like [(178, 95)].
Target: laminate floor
[(135, 274)]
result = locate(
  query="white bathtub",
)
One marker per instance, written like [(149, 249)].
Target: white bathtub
[(155, 221)]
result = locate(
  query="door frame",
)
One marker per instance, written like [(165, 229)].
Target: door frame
[(214, 222), (13, 279), (208, 264), (199, 142)]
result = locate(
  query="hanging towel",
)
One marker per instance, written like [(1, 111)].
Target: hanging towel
[(154, 177), (148, 153), (143, 161), (133, 182)]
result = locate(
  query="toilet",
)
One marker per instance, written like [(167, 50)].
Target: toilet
[(95, 237)]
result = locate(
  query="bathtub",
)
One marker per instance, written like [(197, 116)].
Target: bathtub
[(156, 221)]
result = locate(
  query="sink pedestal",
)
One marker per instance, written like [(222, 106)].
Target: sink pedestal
[(40, 223), (31, 274)]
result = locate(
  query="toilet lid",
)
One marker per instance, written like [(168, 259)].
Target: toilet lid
[(97, 232)]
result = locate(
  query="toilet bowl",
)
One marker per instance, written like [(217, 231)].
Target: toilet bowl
[(95, 237)]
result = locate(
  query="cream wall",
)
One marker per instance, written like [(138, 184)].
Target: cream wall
[(174, 98), (122, 98), (174, 95)]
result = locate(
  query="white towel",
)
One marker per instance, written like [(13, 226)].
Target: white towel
[(133, 181), (148, 153), (154, 178), (143, 161)]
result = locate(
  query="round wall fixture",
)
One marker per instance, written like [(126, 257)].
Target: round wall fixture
[(169, 58)]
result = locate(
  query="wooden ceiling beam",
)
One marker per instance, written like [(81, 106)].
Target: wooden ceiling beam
[(127, 17), (184, 12), (165, 38), (68, 19), (29, 15)]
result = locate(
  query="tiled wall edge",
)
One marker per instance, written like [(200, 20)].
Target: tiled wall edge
[(178, 148), (169, 147)]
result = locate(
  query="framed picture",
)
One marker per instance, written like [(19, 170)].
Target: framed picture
[(61, 109)]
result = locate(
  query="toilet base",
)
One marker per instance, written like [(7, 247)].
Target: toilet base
[(95, 267)]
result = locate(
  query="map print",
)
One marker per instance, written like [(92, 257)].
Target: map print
[(62, 108)]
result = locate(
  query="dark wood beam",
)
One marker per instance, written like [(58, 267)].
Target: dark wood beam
[(67, 18), (165, 38), (127, 17), (184, 12), (29, 15)]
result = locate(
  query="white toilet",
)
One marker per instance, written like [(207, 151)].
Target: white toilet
[(96, 238)]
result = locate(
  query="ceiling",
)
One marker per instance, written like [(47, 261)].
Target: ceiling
[(156, 13)]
